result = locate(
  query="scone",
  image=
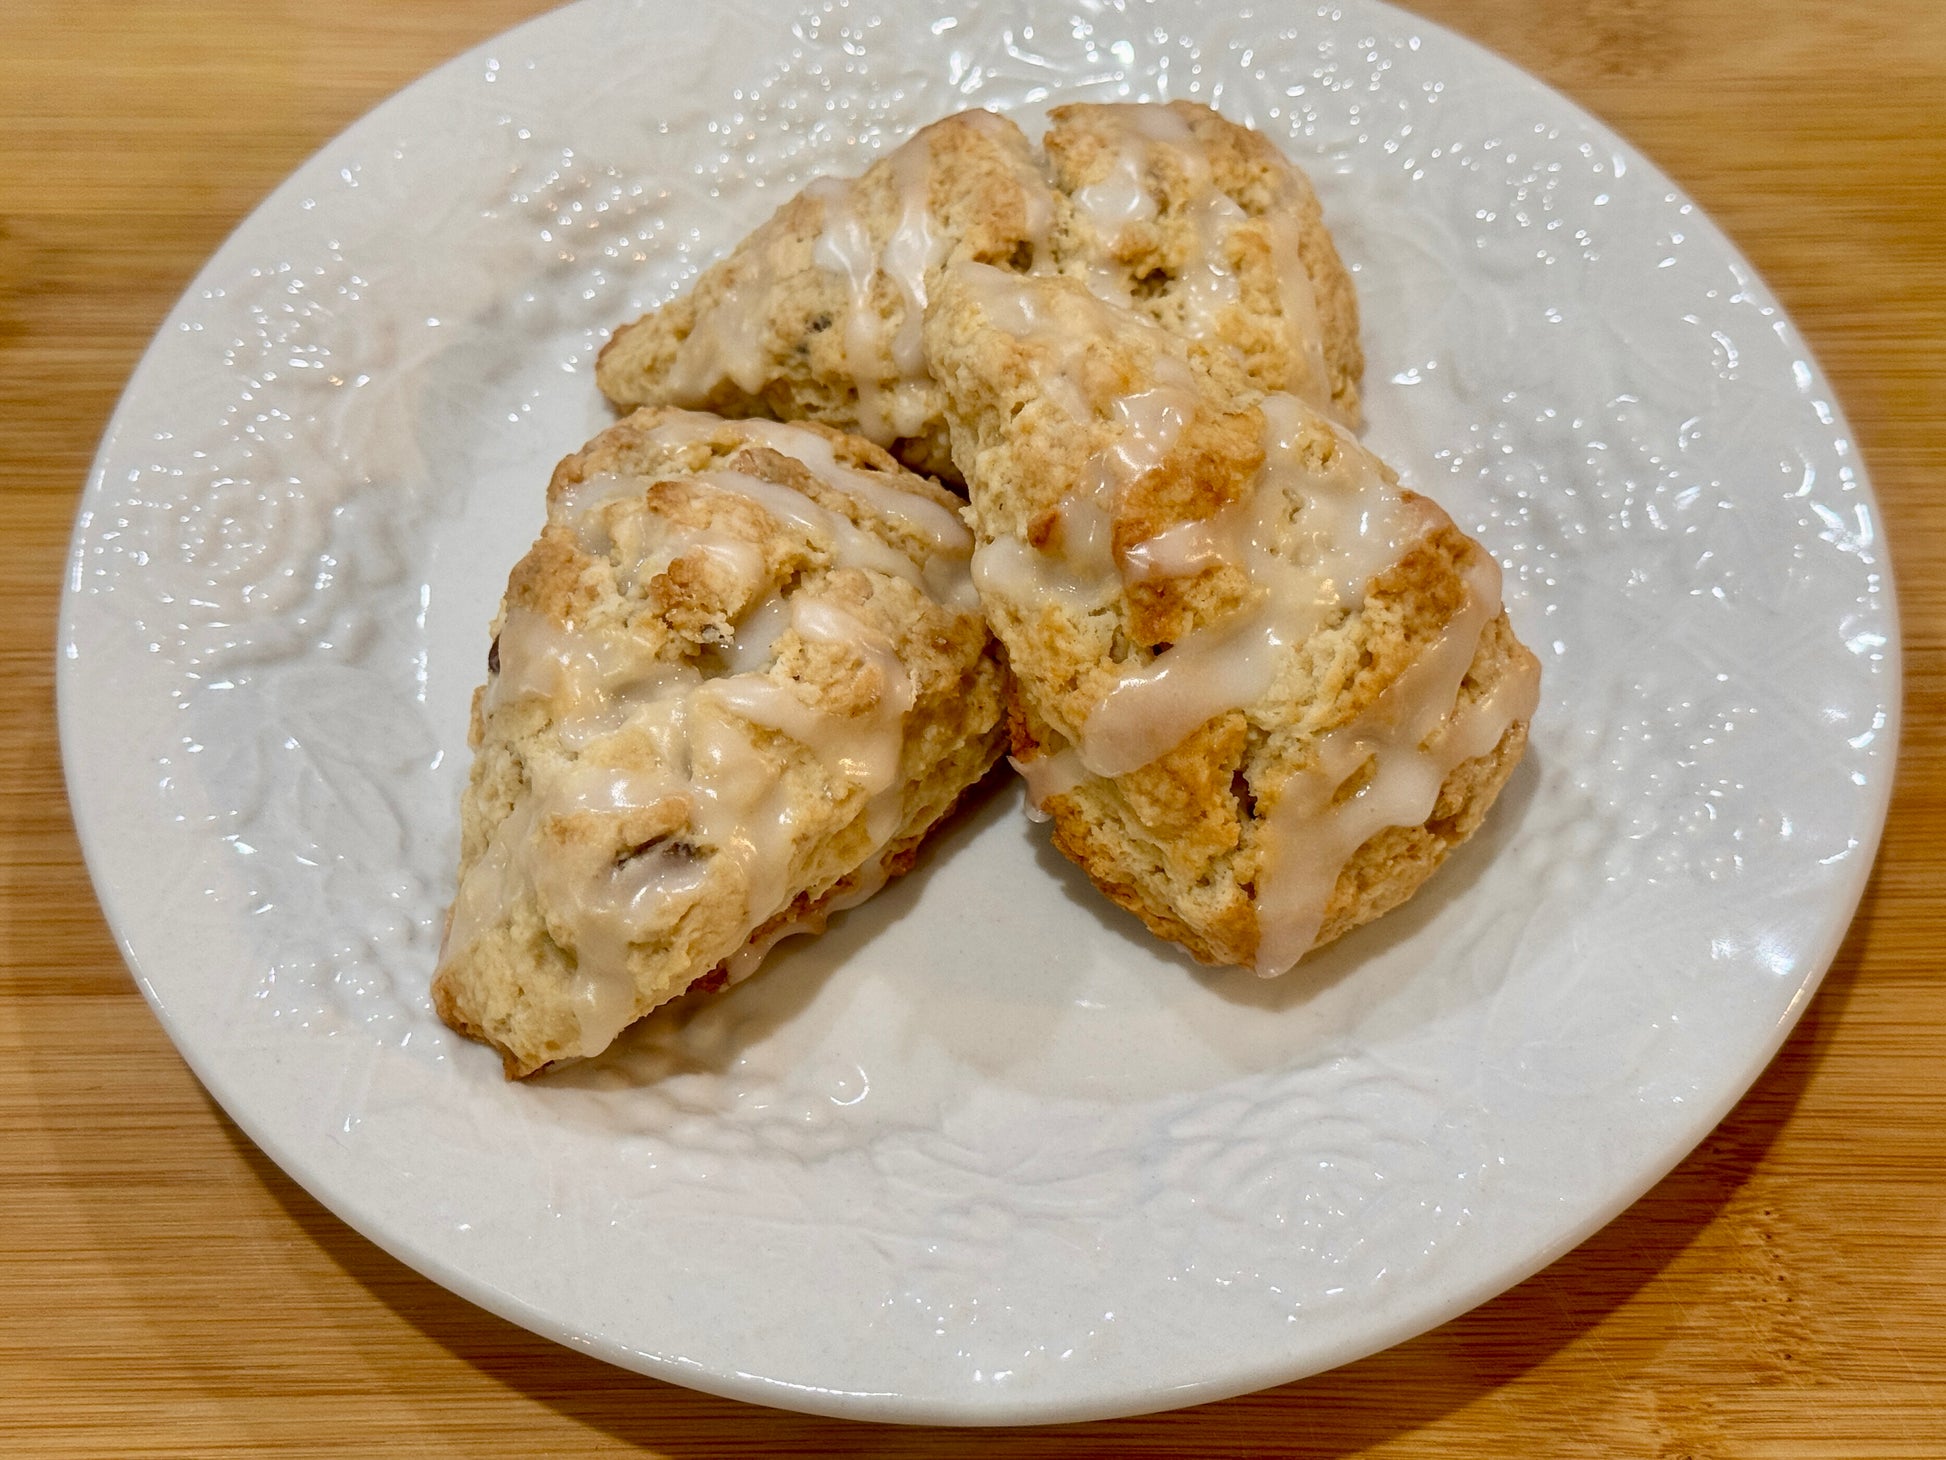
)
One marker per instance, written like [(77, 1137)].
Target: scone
[(1260, 689), (1197, 223), (732, 686), (816, 315), (1207, 229)]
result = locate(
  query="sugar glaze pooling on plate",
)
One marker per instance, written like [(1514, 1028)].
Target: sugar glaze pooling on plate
[(305, 511)]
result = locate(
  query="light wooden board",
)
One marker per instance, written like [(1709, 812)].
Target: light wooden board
[(165, 1290)]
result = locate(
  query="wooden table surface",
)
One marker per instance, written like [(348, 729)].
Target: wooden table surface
[(164, 1289)]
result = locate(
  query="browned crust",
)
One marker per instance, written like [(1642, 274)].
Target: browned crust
[(1383, 873), (506, 987), (1255, 174), (448, 1002), (976, 193), (975, 196), (898, 859)]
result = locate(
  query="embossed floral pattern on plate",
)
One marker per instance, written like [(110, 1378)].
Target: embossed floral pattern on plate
[(983, 1152)]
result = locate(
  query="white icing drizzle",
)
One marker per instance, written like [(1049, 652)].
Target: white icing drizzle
[(868, 879), (920, 516), (1036, 193), (1209, 284), (851, 545), (1121, 198), (1412, 738), (1303, 323), (1007, 570), (943, 573), (941, 569), (886, 360), (578, 504), (711, 772), (845, 248), (1048, 776), (889, 366), (579, 674), (866, 751), (1184, 550), (1309, 541), (742, 559), (913, 251), (1019, 308), (1079, 569), (728, 340), (755, 644), (727, 343), (1309, 537)]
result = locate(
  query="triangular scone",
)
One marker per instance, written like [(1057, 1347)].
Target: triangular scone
[(1261, 690), (732, 686), (1199, 224), (816, 315)]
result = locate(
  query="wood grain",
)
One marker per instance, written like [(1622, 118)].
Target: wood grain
[(164, 1290)]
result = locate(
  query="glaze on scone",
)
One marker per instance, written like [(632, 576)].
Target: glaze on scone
[(1260, 689), (732, 686), (816, 315), (1197, 223), (1207, 229)]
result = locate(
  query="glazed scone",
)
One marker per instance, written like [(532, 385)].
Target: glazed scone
[(732, 686), (1201, 225), (1207, 229), (1260, 689), (816, 315)]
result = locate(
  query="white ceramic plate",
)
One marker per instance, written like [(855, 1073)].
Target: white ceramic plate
[(985, 1152)]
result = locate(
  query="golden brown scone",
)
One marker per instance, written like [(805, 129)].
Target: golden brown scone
[(732, 686), (1200, 224), (1260, 689), (816, 315), (1207, 229)]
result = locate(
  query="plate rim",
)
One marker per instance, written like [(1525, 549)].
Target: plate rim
[(983, 1407)]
